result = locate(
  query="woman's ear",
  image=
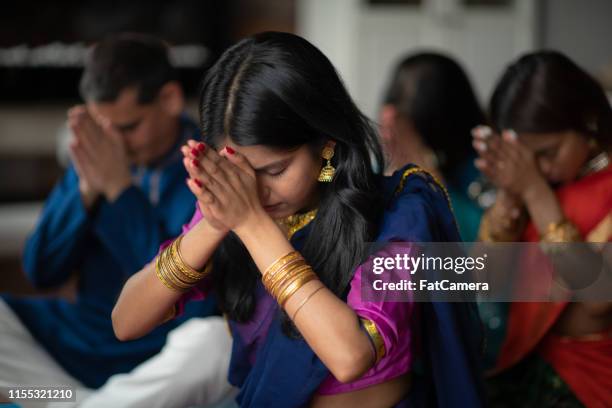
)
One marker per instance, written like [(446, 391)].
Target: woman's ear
[(172, 98), (387, 118)]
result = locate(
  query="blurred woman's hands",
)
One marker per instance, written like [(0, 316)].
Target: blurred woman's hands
[(509, 164)]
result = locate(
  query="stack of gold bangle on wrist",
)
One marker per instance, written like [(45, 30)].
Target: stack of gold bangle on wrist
[(556, 237), (508, 233), (173, 272), (563, 231), (286, 276)]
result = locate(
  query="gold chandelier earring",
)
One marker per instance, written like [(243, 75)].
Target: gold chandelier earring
[(328, 171)]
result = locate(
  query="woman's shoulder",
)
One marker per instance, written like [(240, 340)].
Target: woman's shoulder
[(417, 207)]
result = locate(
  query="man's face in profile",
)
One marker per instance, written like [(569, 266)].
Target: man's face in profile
[(149, 129)]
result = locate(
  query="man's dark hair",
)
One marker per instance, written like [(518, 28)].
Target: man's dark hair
[(123, 61)]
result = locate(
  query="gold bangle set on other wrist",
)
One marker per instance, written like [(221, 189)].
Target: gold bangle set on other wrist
[(286, 276), (563, 231), (557, 237), (173, 272), (486, 235)]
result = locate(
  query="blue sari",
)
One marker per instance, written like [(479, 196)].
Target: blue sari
[(287, 373)]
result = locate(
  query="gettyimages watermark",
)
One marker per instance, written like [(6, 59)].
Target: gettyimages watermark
[(497, 272)]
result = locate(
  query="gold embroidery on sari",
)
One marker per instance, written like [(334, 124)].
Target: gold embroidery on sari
[(375, 336)]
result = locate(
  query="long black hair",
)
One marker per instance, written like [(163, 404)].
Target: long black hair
[(435, 94), (277, 89), (545, 92)]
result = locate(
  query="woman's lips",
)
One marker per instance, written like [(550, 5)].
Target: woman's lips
[(270, 208)]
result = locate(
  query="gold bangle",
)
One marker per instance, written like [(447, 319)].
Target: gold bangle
[(296, 285), (270, 279), (485, 234), (167, 269), (161, 276), (283, 280), (281, 261), (173, 271), (186, 270), (562, 231), (288, 280), (306, 299)]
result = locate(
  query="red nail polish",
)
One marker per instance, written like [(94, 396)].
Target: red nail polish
[(198, 182), (195, 152), (230, 150), (195, 163), (201, 147)]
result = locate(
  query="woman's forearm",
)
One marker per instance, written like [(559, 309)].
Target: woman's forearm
[(329, 326), (543, 206), (145, 302)]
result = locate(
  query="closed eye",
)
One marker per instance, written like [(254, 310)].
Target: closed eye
[(277, 173)]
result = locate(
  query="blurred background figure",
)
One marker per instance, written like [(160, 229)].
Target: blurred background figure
[(428, 113), (123, 195), (548, 155)]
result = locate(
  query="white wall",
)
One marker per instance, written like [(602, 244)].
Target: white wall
[(364, 41), (582, 30)]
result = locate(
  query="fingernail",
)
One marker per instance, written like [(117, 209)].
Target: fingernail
[(481, 132), (195, 163), (195, 152), (229, 150), (480, 146), (485, 132), (198, 182), (511, 135), (201, 147)]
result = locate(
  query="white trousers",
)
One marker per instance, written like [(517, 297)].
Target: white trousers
[(190, 370)]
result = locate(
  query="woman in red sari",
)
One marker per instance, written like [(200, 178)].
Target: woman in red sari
[(550, 165)]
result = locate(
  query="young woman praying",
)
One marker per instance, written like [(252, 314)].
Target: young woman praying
[(287, 203)]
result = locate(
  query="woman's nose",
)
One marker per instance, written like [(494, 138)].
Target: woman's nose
[(545, 167), (264, 192)]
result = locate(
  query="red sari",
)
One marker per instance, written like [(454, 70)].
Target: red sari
[(584, 363)]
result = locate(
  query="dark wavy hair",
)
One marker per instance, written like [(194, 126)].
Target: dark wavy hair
[(276, 89), (435, 94), (126, 60), (545, 92)]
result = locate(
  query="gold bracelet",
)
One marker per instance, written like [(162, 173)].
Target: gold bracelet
[(278, 285), (160, 273), (270, 279), (173, 272), (557, 237), (295, 285), (168, 269), (306, 299), (485, 234), (280, 262), (562, 231), (184, 266)]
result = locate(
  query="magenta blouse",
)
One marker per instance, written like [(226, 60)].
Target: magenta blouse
[(396, 323)]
